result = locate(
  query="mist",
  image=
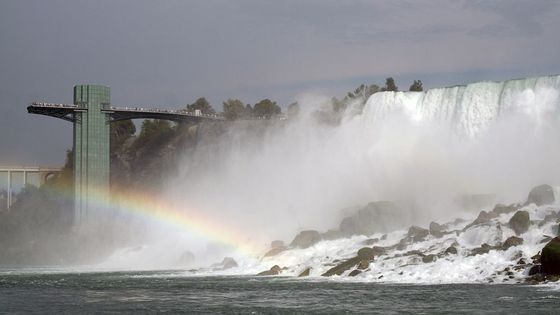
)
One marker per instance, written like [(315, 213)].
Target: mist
[(272, 179)]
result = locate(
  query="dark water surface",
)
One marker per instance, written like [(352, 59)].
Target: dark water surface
[(164, 292)]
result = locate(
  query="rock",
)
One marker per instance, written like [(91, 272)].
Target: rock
[(370, 241), (378, 250), (366, 253), (512, 241), (520, 222), (429, 258), (342, 267), (550, 257), (521, 261), (483, 217), (277, 244), (305, 273), (274, 271), (436, 229), (541, 195), (501, 209), (545, 239), (451, 250), (535, 269), (376, 217), (227, 263), (417, 234), (536, 259), (355, 272), (483, 249), (332, 235), (186, 258), (275, 251), (306, 239), (363, 264)]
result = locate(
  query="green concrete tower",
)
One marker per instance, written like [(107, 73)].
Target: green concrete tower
[(91, 151)]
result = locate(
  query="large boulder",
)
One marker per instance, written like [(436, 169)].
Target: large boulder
[(483, 217), (305, 273), (276, 247), (541, 195), (306, 239), (364, 256), (511, 242), (227, 263), (274, 271), (501, 209), (376, 217), (520, 222), (550, 257), (417, 234), (436, 229)]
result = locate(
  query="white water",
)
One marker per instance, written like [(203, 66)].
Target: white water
[(421, 149)]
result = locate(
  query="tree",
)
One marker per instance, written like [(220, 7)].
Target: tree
[(363, 91), (234, 109), (416, 86), (120, 131), (202, 105), (266, 108), (390, 85), (293, 109)]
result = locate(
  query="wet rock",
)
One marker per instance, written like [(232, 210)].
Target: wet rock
[(429, 258), (355, 272), (376, 217), (535, 269), (332, 235), (545, 239), (521, 262), (227, 263), (536, 259), (342, 267), (363, 264), (512, 241), (277, 244), (378, 250), (541, 195), (366, 253), (500, 209), (483, 249), (417, 234), (275, 251), (520, 222), (451, 250), (306, 239), (274, 271), (550, 257), (436, 229), (305, 273), (483, 217)]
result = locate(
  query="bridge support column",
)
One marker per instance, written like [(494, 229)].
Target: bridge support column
[(91, 152)]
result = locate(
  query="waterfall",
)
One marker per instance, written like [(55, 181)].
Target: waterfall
[(470, 109)]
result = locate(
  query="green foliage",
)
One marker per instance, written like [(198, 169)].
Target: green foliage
[(293, 109), (266, 108), (234, 109), (202, 105), (390, 85), (120, 131), (416, 86), (363, 92), (153, 134)]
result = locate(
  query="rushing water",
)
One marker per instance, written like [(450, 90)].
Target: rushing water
[(141, 292)]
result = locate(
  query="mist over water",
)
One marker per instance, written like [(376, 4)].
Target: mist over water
[(422, 150)]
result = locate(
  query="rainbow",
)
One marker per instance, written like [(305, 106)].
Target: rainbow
[(147, 206)]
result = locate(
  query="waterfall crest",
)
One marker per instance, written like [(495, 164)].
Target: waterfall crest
[(471, 108)]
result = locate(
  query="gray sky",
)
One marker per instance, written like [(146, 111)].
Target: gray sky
[(171, 52)]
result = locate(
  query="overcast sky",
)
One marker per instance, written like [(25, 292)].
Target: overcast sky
[(172, 52)]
